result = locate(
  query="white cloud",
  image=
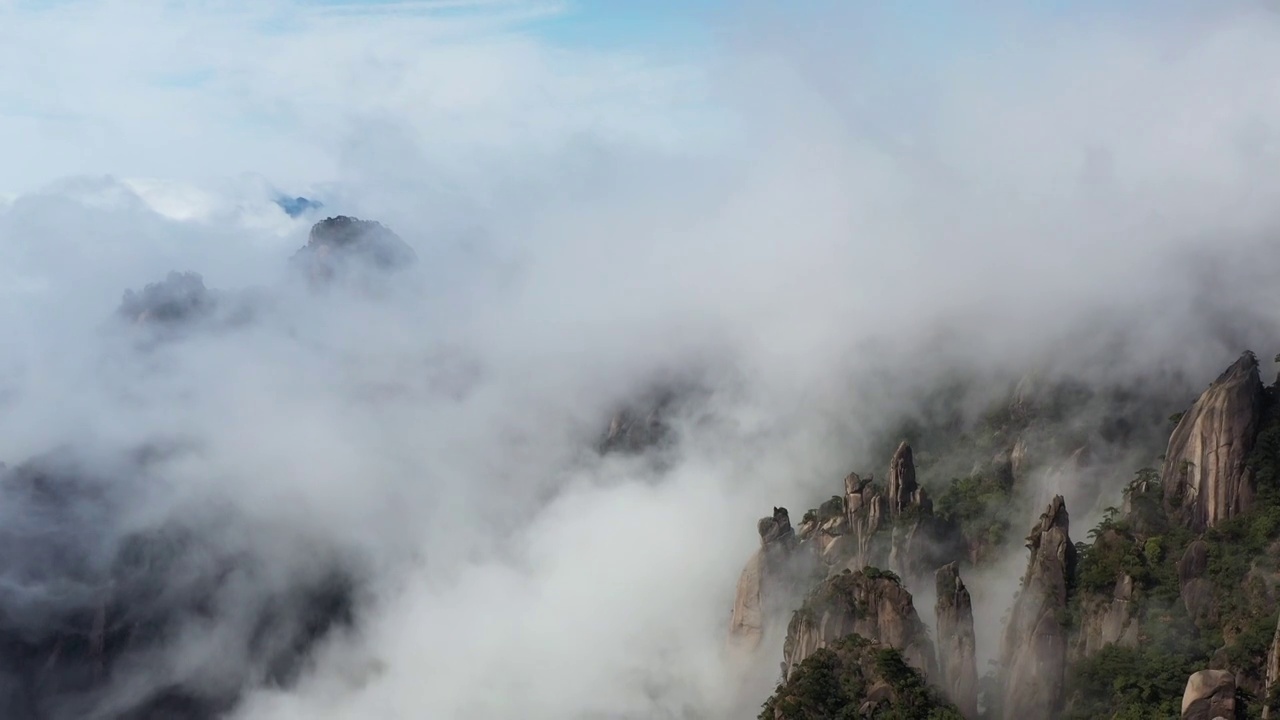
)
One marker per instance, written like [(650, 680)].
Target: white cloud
[(585, 219), (200, 90)]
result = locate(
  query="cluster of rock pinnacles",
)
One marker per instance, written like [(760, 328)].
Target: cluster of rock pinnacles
[(828, 573)]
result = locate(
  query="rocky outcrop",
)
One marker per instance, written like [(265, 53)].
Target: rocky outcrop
[(866, 532), (1143, 504), (870, 603), (873, 526), (776, 532), (865, 514), (957, 654), (845, 531), (919, 541), (845, 534), (904, 492), (772, 576), (342, 245), (917, 545), (1205, 478), (1195, 589), (828, 536), (1111, 619), (1210, 695), (639, 426), (1035, 640)]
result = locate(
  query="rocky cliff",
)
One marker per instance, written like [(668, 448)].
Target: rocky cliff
[(1186, 577), (919, 540), (1035, 641), (865, 512), (1210, 695), (1108, 619), (847, 533), (870, 603), (1205, 477), (892, 527), (957, 654), (839, 539), (904, 492), (1195, 590), (768, 583)]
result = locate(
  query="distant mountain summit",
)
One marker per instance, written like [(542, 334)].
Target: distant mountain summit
[(338, 248), (178, 298), (343, 244)]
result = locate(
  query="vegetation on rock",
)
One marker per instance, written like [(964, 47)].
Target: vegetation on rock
[(1235, 628), (1153, 597), (856, 678)]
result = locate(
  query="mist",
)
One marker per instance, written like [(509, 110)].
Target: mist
[(817, 218)]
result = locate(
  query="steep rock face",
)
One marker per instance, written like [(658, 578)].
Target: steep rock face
[(1035, 641), (865, 513), (870, 603), (343, 245), (904, 492), (1143, 502), (1210, 695), (918, 541), (776, 531), (873, 526), (957, 655), (918, 545), (767, 582), (1108, 620), (1195, 590), (828, 536), (1205, 478), (866, 531), (845, 531)]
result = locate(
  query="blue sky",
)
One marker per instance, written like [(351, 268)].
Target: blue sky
[(585, 23), (615, 22)]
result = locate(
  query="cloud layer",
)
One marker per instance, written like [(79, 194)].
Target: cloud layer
[(818, 215)]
